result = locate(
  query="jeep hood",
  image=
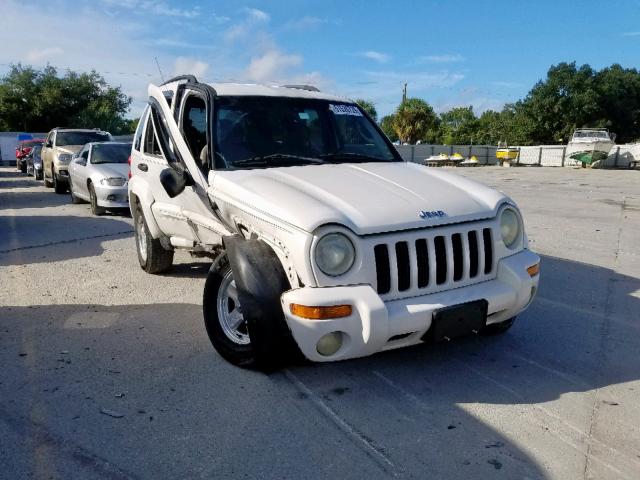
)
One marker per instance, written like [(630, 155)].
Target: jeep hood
[(69, 149), (367, 197)]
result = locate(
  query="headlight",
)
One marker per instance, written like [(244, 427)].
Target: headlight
[(113, 181), (64, 157), (509, 227), (335, 254)]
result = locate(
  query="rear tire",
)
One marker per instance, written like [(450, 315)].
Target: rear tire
[(95, 208), (221, 308), (23, 167), (498, 328), (152, 256)]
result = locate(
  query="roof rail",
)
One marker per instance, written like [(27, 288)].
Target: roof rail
[(188, 78), (308, 88)]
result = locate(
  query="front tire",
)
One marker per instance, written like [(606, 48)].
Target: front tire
[(48, 183), (226, 327), (74, 199), (498, 328), (59, 188), (152, 256), (95, 208)]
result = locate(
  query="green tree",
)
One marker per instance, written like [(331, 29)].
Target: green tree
[(38, 100), (459, 126), (567, 99), (619, 101), (413, 120), (368, 107), (386, 124)]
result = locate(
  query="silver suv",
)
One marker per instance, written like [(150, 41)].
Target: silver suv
[(59, 147)]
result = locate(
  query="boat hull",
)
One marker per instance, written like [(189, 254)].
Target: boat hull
[(588, 152)]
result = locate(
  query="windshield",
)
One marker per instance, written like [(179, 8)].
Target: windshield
[(114, 153), (36, 151), (80, 138), (275, 131), (30, 143)]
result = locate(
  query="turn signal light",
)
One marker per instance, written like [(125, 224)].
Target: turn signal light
[(129, 162), (533, 270), (320, 313)]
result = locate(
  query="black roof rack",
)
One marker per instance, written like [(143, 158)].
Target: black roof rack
[(188, 78), (308, 88)]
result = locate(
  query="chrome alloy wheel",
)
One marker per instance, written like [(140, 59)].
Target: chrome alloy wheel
[(230, 315), (141, 237)]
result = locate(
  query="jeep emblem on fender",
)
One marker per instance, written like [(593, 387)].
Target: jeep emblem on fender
[(432, 214)]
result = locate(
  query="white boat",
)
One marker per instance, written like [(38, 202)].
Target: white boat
[(590, 145)]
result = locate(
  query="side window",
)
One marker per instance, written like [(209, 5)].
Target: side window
[(49, 138), (151, 146), (194, 129), (137, 138)]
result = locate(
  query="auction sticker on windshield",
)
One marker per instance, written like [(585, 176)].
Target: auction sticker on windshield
[(345, 110)]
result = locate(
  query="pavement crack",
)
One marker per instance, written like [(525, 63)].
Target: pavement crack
[(62, 242), (604, 334), (359, 439)]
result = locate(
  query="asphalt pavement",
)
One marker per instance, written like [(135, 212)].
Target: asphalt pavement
[(107, 372)]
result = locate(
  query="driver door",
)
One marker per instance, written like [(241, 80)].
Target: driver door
[(190, 212)]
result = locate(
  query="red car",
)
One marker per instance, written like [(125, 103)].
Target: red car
[(23, 149)]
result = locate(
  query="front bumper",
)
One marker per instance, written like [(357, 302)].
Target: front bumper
[(376, 326), (112, 197)]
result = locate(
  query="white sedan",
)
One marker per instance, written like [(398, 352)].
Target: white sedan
[(98, 174)]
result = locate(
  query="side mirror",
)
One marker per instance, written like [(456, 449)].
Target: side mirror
[(49, 144), (174, 182)]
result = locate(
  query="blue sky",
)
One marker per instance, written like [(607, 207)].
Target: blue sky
[(480, 53)]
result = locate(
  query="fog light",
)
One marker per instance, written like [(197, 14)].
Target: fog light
[(329, 343), (111, 198)]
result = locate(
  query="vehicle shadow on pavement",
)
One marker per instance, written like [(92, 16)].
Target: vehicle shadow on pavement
[(19, 200), (56, 238), (198, 269), (460, 410), (579, 336), (23, 181)]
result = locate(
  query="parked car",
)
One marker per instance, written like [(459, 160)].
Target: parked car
[(325, 242), (98, 174), (59, 147), (23, 149), (34, 162)]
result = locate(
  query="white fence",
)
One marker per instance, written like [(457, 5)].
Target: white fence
[(621, 156)]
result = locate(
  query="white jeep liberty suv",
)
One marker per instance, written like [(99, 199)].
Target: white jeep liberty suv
[(326, 243)]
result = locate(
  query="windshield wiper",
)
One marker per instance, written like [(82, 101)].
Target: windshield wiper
[(268, 160), (350, 157)]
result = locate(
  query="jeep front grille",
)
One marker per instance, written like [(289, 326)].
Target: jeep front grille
[(434, 260)]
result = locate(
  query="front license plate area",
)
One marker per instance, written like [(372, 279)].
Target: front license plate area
[(458, 320)]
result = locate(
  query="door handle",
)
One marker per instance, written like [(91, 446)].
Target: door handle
[(143, 166)]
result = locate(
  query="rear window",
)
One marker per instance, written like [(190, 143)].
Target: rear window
[(80, 138), (118, 153)]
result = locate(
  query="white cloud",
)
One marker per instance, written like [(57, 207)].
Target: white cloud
[(375, 56), (271, 66), (44, 54), (445, 58), (308, 22), (155, 8), (254, 19), (257, 15), (631, 34), (193, 66)]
